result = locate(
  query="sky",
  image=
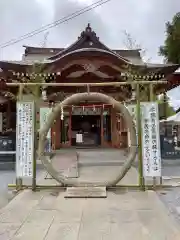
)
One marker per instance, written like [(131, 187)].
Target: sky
[(143, 19)]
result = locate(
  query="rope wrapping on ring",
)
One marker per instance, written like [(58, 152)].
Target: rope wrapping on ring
[(75, 98)]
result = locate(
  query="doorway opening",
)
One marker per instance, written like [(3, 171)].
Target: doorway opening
[(86, 130)]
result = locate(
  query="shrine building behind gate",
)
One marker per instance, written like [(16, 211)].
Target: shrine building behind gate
[(87, 60)]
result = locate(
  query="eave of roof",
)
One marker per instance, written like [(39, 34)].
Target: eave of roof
[(38, 48), (143, 67), (122, 52), (92, 50), (148, 68)]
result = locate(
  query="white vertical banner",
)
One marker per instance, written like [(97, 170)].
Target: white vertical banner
[(150, 137), (44, 113), (151, 140), (24, 139)]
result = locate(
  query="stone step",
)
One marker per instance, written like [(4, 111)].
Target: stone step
[(86, 192)]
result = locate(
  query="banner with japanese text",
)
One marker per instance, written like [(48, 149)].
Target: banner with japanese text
[(151, 150), (24, 139)]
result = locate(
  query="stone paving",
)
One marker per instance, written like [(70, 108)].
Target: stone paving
[(100, 165), (47, 215), (96, 166), (66, 163), (171, 199)]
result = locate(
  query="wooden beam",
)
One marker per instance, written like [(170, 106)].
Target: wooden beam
[(87, 84)]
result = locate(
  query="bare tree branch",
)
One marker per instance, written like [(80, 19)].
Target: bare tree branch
[(131, 43)]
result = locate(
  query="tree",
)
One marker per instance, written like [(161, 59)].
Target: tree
[(171, 48), (165, 110), (131, 43), (164, 106)]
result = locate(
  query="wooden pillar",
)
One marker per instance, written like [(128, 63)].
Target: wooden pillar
[(115, 131), (165, 99), (55, 133), (102, 128), (111, 126), (70, 127), (8, 113)]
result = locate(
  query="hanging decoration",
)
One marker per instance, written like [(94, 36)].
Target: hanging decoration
[(44, 94), (94, 106), (88, 109), (62, 113)]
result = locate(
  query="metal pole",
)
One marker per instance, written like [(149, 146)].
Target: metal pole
[(139, 130)]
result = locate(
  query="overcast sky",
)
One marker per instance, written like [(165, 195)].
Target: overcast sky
[(143, 19)]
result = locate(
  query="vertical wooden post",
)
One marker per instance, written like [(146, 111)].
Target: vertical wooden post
[(19, 181), (35, 149), (36, 100), (102, 128), (112, 122), (70, 127), (165, 111), (139, 130), (8, 114)]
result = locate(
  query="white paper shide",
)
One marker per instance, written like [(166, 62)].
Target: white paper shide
[(150, 140), (24, 139)]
